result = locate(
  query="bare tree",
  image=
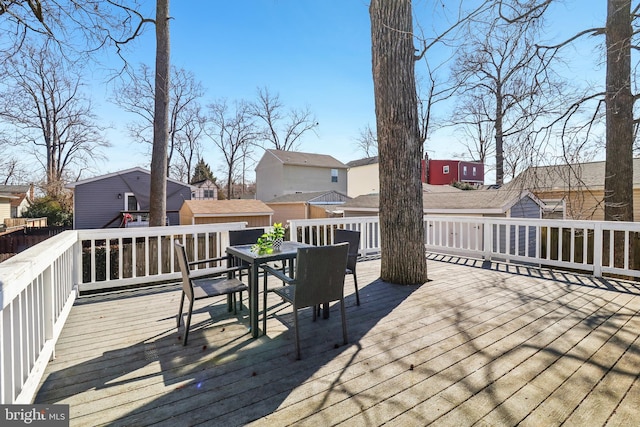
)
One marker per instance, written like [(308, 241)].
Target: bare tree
[(478, 131), (399, 143), (103, 23), (233, 130), (505, 80), (189, 147), (185, 121), (283, 129), (367, 141), (42, 100)]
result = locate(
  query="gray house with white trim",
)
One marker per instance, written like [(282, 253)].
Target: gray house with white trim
[(102, 201)]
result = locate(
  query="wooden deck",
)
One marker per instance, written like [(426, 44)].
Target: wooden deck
[(481, 344)]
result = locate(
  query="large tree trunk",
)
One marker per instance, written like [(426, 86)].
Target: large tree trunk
[(618, 182), (158, 196), (399, 144)]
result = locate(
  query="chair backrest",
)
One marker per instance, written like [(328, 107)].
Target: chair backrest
[(353, 238), (320, 274), (181, 253), (245, 237)]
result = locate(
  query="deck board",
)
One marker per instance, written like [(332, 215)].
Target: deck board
[(480, 343)]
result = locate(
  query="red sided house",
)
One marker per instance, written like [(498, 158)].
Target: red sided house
[(444, 172)]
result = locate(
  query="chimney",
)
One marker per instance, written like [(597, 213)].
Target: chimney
[(31, 192)]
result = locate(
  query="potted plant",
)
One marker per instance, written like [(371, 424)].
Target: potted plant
[(270, 241)]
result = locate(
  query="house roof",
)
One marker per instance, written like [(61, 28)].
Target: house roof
[(363, 162), (122, 172), (228, 207), (445, 188), (15, 189), (306, 159), (471, 201), (564, 177), (312, 197)]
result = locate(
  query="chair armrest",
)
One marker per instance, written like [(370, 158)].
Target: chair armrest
[(204, 261), (215, 271), (277, 273)]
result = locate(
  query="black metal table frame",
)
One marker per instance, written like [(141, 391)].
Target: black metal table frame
[(289, 251)]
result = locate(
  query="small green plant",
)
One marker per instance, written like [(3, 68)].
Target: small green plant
[(265, 243)]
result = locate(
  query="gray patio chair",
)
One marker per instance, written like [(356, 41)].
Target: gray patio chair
[(353, 238), (221, 281), (246, 236), (319, 278)]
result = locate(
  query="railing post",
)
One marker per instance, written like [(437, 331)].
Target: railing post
[(597, 249), (487, 241)]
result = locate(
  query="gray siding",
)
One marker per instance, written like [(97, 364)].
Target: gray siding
[(96, 203), (526, 208), (269, 178)]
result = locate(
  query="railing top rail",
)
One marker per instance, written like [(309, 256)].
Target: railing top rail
[(19, 270), (332, 221), (114, 233), (563, 223)]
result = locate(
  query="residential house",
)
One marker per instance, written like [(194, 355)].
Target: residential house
[(254, 212), (362, 177), (5, 208), (443, 172), (288, 172), (573, 191), (318, 204), (204, 190), (103, 201), (22, 196)]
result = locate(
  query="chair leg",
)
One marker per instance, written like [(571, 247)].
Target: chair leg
[(344, 321), (188, 324), (295, 325), (235, 303), (179, 318), (355, 284)]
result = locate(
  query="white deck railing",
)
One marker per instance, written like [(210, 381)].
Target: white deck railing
[(38, 286)]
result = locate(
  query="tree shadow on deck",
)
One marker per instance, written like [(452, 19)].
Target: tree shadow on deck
[(223, 375), (499, 349), (567, 277)]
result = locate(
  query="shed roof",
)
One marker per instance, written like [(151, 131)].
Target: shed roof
[(306, 159), (228, 207), (311, 197)]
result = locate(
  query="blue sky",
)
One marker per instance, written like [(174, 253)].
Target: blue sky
[(313, 53)]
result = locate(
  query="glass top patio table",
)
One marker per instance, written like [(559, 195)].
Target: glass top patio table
[(288, 251)]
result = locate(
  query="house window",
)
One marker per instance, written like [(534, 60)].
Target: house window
[(473, 171), (464, 171), (208, 194), (334, 175), (445, 169), (130, 202)]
